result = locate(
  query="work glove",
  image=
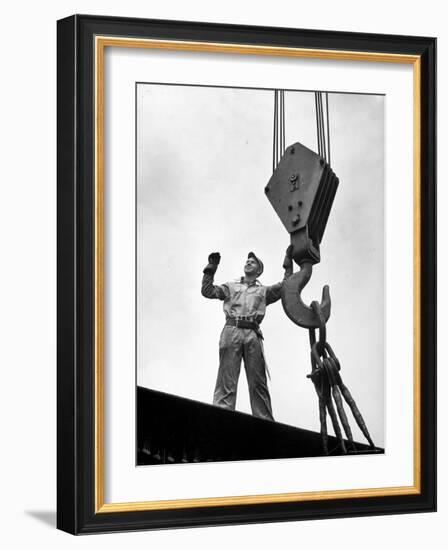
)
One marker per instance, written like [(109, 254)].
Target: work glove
[(287, 262), (213, 262)]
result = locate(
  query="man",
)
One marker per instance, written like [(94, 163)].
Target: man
[(245, 302)]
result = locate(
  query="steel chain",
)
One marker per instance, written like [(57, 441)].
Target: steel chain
[(325, 375)]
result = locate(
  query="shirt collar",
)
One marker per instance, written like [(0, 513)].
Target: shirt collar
[(256, 282)]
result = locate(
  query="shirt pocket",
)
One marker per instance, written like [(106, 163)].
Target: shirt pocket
[(254, 299)]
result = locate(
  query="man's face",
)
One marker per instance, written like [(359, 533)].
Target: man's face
[(251, 267)]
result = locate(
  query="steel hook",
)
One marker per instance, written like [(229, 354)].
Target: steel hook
[(295, 308)]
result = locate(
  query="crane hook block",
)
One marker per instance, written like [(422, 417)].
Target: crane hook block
[(301, 191)]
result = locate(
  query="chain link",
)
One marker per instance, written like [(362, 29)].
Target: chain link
[(326, 377)]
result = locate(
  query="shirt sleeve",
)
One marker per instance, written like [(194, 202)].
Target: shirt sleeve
[(273, 293), (209, 290)]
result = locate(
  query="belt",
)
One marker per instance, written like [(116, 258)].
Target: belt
[(242, 323)]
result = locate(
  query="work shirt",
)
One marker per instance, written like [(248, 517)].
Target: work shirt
[(242, 299)]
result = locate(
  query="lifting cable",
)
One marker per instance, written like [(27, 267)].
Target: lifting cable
[(279, 141), (322, 127)]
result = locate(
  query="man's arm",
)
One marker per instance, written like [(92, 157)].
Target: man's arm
[(208, 289), (274, 292)]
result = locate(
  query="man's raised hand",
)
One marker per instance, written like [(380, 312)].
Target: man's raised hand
[(287, 262), (214, 258), (213, 262)]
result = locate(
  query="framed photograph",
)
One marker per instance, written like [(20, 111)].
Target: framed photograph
[(246, 274)]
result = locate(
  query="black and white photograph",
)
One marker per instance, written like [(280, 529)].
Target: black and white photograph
[(260, 294)]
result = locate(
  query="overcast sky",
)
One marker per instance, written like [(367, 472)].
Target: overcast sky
[(204, 156)]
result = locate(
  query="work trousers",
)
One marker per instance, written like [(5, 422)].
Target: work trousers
[(236, 344)]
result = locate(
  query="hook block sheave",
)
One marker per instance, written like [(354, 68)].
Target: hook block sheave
[(301, 191)]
